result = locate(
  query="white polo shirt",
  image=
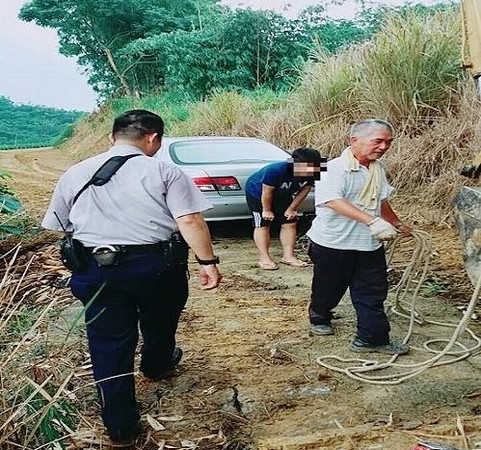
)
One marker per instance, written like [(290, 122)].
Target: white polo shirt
[(137, 206), (333, 230)]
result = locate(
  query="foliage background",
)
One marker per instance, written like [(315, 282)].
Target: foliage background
[(191, 47), (27, 126)]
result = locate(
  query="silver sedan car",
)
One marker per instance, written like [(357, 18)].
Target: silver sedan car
[(220, 166)]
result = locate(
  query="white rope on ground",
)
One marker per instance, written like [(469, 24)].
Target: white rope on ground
[(360, 369)]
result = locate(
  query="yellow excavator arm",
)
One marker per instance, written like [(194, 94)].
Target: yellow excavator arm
[(471, 61), (471, 43)]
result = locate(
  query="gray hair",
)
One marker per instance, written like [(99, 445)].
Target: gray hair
[(362, 127)]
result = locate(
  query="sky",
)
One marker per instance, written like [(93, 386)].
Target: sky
[(32, 71)]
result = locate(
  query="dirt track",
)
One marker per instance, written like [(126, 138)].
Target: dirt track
[(250, 378)]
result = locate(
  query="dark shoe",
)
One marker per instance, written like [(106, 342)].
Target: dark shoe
[(321, 329), (176, 357), (125, 440), (126, 444), (390, 349)]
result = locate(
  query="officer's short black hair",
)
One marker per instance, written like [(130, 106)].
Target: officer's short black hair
[(304, 154), (136, 123)]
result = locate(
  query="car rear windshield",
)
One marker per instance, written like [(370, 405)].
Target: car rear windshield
[(224, 152)]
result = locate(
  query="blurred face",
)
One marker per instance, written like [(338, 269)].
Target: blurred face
[(306, 169), (372, 145)]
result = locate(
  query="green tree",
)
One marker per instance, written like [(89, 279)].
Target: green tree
[(242, 50), (332, 34), (95, 31)]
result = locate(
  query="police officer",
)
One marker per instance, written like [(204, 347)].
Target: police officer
[(125, 227)]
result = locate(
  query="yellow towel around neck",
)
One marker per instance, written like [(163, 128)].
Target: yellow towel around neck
[(369, 195)]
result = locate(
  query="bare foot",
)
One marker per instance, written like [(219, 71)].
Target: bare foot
[(294, 262), (268, 265)]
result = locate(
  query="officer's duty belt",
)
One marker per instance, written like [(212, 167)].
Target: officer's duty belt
[(136, 249)]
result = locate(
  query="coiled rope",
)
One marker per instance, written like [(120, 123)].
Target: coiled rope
[(412, 279)]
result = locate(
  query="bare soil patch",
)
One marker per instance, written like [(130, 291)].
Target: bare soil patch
[(249, 378)]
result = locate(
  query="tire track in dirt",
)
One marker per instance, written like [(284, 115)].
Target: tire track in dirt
[(34, 175)]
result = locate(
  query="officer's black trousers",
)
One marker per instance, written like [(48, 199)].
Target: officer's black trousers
[(139, 290), (364, 273)]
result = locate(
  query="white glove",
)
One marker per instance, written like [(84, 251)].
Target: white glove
[(382, 230)]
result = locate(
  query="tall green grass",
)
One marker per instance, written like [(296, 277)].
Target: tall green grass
[(409, 73), (329, 87)]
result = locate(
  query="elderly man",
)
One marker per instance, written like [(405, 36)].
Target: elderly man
[(353, 217)]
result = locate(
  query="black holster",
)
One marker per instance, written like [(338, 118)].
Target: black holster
[(175, 251), (73, 254)]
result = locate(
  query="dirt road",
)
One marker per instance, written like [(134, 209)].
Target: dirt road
[(250, 379)]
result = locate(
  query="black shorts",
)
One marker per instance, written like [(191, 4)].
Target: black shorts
[(280, 206)]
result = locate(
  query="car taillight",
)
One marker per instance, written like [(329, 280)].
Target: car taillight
[(205, 184), (226, 183), (212, 184)]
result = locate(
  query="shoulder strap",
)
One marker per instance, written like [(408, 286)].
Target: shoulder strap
[(105, 172)]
